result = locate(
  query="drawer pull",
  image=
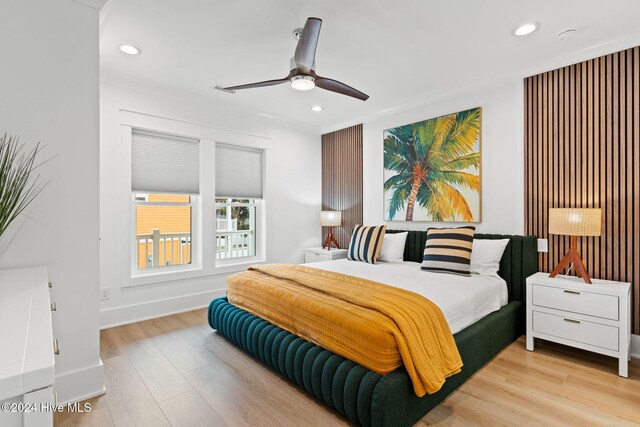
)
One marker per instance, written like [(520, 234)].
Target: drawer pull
[(56, 346), (571, 320), (567, 291), (50, 285), (53, 306), (55, 398)]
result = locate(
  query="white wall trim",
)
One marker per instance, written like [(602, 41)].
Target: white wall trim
[(635, 346), (118, 316), (199, 129), (81, 384)]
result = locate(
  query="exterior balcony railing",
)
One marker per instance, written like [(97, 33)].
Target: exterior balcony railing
[(163, 249), (223, 224), (235, 244), (166, 249)]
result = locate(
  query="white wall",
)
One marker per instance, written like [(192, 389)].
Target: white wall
[(502, 157), (293, 197), (49, 93)]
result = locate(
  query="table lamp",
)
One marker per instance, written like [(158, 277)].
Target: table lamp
[(330, 219), (574, 222)]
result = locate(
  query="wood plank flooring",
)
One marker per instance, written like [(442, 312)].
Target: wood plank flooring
[(175, 371)]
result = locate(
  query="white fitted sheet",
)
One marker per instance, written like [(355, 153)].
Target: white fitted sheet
[(463, 300)]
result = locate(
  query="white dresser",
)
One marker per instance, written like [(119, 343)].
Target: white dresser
[(320, 254), (592, 317), (27, 365)]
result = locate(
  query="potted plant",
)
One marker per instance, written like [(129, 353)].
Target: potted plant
[(18, 185)]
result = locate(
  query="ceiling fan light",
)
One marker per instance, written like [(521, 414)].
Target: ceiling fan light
[(302, 82)]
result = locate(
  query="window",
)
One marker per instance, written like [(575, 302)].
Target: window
[(165, 186), (236, 228), (188, 220), (239, 191), (163, 230)]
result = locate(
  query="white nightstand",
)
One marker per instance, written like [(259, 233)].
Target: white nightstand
[(319, 254), (592, 317)]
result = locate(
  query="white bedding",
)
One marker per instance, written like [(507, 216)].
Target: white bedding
[(463, 300)]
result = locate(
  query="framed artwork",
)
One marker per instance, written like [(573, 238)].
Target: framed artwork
[(432, 169)]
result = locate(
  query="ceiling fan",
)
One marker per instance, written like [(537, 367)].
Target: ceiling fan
[(303, 75)]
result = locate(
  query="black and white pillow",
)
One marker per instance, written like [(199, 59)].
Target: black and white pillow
[(448, 250), (366, 242)]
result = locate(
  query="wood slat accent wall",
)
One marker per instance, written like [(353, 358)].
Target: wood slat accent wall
[(342, 179), (582, 149)]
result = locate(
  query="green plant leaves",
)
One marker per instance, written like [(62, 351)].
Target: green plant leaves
[(18, 186)]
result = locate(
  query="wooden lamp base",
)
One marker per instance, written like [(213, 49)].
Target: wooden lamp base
[(330, 240), (572, 257)]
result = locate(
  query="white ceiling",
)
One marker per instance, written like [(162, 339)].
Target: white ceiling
[(399, 52)]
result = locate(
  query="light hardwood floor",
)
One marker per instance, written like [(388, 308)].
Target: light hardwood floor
[(176, 371)]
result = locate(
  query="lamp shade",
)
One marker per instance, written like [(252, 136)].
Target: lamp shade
[(330, 218), (575, 222)]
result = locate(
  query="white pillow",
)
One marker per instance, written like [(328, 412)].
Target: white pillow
[(393, 247), (486, 255)]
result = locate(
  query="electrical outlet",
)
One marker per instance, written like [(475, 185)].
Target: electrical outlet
[(105, 294), (543, 245)]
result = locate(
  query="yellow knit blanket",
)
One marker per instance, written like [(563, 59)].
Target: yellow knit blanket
[(367, 322)]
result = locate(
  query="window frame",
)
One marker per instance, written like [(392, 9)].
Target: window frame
[(203, 215)]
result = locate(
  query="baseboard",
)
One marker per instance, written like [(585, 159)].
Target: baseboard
[(79, 385), (635, 346), (124, 315)]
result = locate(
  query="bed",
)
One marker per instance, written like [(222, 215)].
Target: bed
[(366, 397)]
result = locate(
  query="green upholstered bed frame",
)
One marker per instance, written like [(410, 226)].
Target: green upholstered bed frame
[(365, 397)]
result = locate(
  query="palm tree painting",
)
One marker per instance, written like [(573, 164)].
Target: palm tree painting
[(432, 169)]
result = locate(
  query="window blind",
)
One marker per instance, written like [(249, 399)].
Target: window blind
[(164, 163), (238, 172)]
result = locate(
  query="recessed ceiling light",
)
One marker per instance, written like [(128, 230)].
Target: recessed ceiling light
[(527, 28), (130, 50), (317, 108)]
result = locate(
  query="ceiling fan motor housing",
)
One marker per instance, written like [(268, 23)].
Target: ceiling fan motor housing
[(293, 65)]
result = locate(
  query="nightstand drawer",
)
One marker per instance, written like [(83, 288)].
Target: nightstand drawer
[(576, 330), (321, 254), (591, 304), (310, 256)]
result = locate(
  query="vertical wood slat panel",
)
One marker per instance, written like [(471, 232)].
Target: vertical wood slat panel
[(582, 149), (636, 186), (342, 179)]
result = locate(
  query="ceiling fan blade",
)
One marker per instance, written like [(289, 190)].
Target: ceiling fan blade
[(259, 84), (305, 54), (339, 87)]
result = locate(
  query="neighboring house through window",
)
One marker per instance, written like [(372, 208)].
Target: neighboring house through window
[(163, 230)]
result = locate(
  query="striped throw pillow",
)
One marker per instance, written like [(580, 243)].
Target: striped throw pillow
[(366, 243), (448, 250)]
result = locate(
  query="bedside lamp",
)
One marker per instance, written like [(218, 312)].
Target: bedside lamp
[(330, 219), (574, 222)]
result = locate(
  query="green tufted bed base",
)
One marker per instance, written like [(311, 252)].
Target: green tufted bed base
[(365, 397)]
